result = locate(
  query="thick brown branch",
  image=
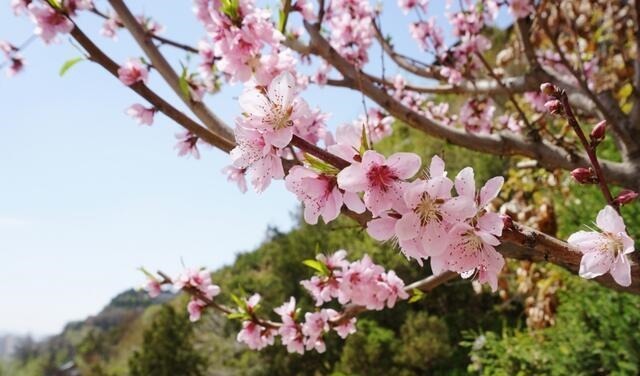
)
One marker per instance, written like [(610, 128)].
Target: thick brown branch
[(524, 243), (319, 153), (550, 156), (520, 84)]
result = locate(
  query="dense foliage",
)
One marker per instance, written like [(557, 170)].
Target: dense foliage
[(167, 348)]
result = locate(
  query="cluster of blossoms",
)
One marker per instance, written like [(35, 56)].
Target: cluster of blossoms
[(239, 32), (361, 282), (197, 282), (352, 33), (272, 116), (476, 115), (461, 60), (456, 233)]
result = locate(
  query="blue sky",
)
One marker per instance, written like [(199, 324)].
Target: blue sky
[(88, 196)]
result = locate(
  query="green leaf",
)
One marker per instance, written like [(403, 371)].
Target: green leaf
[(364, 143), (320, 165), (282, 21), (284, 15), (317, 266), (68, 64), (55, 4), (146, 273), (416, 295), (239, 302), (184, 84), (230, 8), (237, 316)]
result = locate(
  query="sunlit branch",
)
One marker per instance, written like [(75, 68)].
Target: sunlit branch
[(98, 56), (163, 67), (506, 143)]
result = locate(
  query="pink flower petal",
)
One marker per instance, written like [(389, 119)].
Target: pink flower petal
[(436, 169), (381, 229), (609, 220), (405, 165), (465, 183), (353, 202), (492, 223), (254, 103), (353, 178), (490, 190), (281, 89), (408, 227), (621, 270), (594, 264)]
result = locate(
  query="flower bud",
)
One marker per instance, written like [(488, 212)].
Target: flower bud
[(625, 196), (554, 106), (584, 175), (548, 88), (598, 132)]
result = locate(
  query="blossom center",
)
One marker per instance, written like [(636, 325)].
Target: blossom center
[(279, 116), (427, 210), (612, 244), (381, 177)]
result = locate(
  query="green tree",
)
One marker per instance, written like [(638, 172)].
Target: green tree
[(167, 348)]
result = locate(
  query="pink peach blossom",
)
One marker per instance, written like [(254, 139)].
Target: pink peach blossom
[(133, 71), (236, 175), (290, 331), (320, 194), (141, 114), (605, 251), (272, 113), (49, 22), (187, 144), (153, 287), (381, 179), (255, 336), (421, 230), (255, 155)]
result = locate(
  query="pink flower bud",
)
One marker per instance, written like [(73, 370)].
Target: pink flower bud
[(598, 132), (626, 196), (584, 175), (548, 88), (554, 106)]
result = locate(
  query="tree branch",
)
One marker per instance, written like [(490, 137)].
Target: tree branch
[(159, 38), (505, 144), (610, 111), (98, 56), (405, 62), (212, 122)]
